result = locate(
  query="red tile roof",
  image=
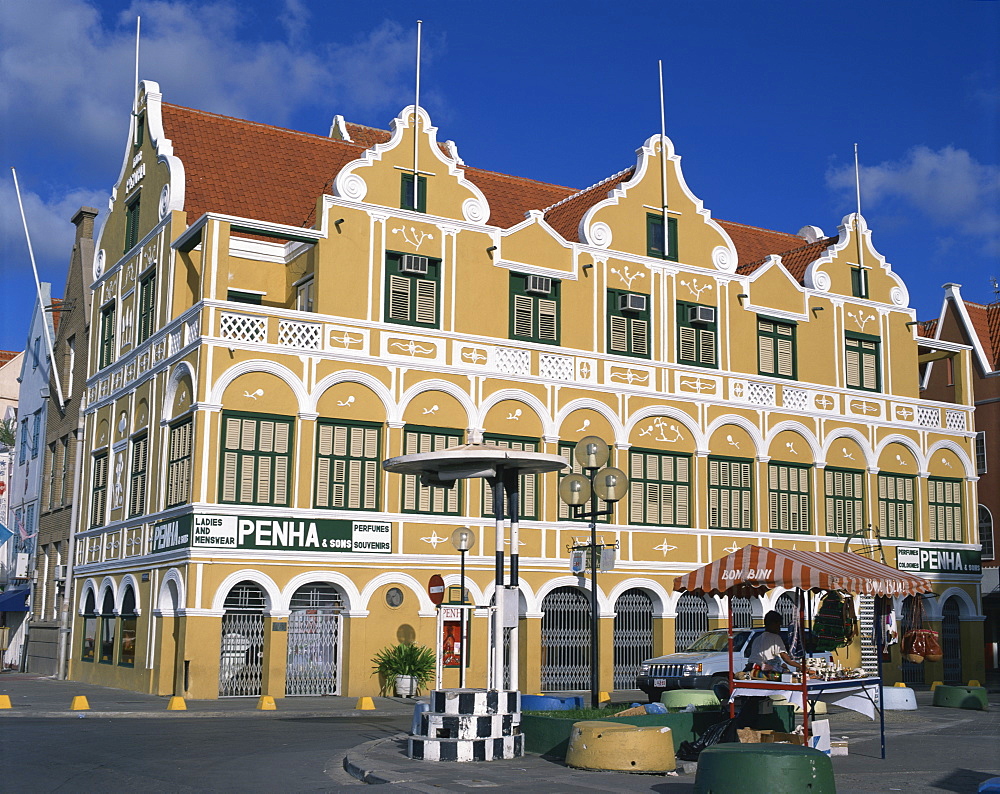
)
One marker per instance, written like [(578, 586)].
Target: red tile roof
[(292, 169), (927, 328), (565, 217), (986, 325), (6, 356)]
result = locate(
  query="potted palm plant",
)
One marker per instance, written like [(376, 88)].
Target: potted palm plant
[(406, 667)]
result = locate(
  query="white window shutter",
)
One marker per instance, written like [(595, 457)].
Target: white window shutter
[(688, 344), (548, 326), (765, 354), (706, 341), (618, 334), (523, 315), (426, 301), (399, 298), (640, 337), (229, 461)]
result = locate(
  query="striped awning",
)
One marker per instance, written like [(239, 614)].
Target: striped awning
[(760, 568)]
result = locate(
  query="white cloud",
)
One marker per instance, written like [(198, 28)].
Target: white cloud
[(949, 188)]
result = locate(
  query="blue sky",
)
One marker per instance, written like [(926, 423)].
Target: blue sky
[(765, 101)]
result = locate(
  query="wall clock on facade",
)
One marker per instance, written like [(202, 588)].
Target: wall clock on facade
[(394, 596)]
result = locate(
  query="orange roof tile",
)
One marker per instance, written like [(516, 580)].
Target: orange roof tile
[(565, 216), (366, 136), (927, 328), (986, 325), (510, 197), (6, 356)]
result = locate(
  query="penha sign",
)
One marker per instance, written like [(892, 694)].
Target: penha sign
[(921, 560), (272, 534)]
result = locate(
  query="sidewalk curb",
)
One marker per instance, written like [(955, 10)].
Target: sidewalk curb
[(12, 714), (356, 756)]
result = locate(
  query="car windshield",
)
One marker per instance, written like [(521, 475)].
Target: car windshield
[(718, 641)]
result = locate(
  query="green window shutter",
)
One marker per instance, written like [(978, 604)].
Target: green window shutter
[(528, 487), (944, 498), (859, 282), (661, 482), (730, 497), (100, 490), (107, 341), (788, 495), (406, 193), (697, 342), (137, 494), (179, 464), (411, 297), (426, 302), (256, 463), (534, 317), (672, 251), (147, 306), (776, 348), (896, 506), (131, 224), (654, 237), (548, 320), (423, 499), (347, 457), (628, 329), (862, 361)]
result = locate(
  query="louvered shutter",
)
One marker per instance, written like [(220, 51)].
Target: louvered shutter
[(426, 301), (618, 334), (688, 344), (765, 348), (853, 361), (264, 471), (523, 316), (323, 482), (640, 337), (232, 433), (548, 320), (266, 442), (248, 437), (280, 481), (399, 298), (786, 358), (869, 366), (137, 498), (706, 343), (773, 498)]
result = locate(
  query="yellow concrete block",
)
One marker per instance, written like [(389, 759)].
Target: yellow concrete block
[(974, 682), (79, 703), (365, 704), (936, 684), (176, 703), (614, 747), (900, 684), (4, 701), (266, 703), (603, 697)]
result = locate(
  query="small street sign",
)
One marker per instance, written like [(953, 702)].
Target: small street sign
[(435, 589)]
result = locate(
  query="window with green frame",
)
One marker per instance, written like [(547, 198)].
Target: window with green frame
[(944, 500), (131, 224), (419, 498), (108, 623), (895, 506), (697, 336), (628, 323), (244, 296), (654, 237), (566, 449), (845, 500), (88, 648), (147, 306), (140, 129), (99, 492), (534, 308), (406, 193), (660, 489), (788, 497), (106, 354), (137, 484), (179, 463), (256, 459), (861, 357), (129, 622), (411, 285), (528, 488), (859, 282), (347, 464), (775, 348), (730, 493)]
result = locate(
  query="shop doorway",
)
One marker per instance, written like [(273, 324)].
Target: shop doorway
[(242, 657), (566, 640), (691, 622), (910, 672), (951, 641), (633, 635), (315, 628)]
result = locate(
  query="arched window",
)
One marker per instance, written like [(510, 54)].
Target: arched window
[(986, 532), (108, 619), (89, 628), (129, 619)]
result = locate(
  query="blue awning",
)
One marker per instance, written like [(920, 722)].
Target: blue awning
[(14, 600)]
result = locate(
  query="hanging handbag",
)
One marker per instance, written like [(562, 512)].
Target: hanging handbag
[(835, 624), (920, 644)]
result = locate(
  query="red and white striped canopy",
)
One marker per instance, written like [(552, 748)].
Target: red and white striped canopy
[(760, 568)]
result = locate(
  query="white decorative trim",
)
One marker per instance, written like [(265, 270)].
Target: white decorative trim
[(723, 259), (271, 591), (600, 235)]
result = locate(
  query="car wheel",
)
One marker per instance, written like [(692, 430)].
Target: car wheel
[(720, 686)]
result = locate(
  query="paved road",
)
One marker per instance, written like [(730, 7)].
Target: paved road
[(93, 753)]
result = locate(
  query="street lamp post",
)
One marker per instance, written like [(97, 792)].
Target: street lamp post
[(576, 490), (462, 539)]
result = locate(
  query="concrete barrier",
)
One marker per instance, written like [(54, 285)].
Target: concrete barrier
[(365, 704), (4, 701), (681, 698), (899, 698), (549, 703), (961, 697), (176, 703), (612, 747), (79, 703), (763, 769), (266, 703)]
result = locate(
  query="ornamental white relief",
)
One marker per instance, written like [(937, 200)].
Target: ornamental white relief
[(514, 415), (695, 287), (898, 296), (599, 234), (584, 426), (434, 539), (119, 485), (723, 259), (732, 442), (790, 446), (474, 211), (661, 428), (164, 205), (99, 264), (432, 410), (418, 237), (346, 403), (627, 276), (352, 187), (664, 547), (253, 395), (861, 319)]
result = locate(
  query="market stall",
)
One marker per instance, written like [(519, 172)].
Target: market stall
[(754, 570)]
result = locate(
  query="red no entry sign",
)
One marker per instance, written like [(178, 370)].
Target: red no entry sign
[(435, 588)]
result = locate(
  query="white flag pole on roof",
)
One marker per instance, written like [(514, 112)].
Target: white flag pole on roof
[(416, 122), (135, 96), (663, 164), (857, 220), (38, 291)]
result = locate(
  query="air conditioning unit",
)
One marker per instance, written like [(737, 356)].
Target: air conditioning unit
[(701, 314), (414, 264), (631, 303), (540, 285), (59, 572)]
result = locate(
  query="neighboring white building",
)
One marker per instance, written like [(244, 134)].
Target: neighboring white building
[(25, 476)]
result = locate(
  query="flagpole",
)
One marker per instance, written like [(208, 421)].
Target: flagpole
[(38, 291), (416, 123), (857, 222), (663, 163), (135, 95)]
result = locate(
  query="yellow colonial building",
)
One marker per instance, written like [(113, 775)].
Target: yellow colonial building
[(276, 312)]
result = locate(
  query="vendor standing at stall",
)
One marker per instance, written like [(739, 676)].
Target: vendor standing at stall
[(768, 649)]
